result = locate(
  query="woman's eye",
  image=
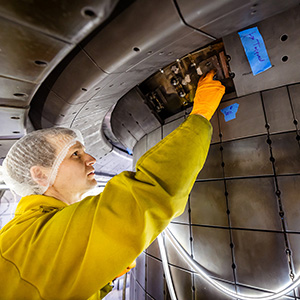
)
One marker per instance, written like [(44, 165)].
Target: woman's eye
[(75, 153)]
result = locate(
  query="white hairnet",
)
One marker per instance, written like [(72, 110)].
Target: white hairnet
[(46, 148)]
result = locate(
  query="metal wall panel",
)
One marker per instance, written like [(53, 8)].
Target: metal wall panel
[(168, 128), (184, 217), (294, 91), (286, 152), (247, 157), (255, 254), (184, 289), (289, 187), (212, 167), (208, 204), (278, 110), (139, 149), (140, 274), (294, 239), (249, 119), (253, 204), (212, 251), (203, 290), (5, 145), (283, 54), (154, 137), (139, 292), (155, 280), (153, 249)]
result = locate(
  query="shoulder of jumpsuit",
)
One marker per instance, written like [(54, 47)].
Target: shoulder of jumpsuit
[(35, 202)]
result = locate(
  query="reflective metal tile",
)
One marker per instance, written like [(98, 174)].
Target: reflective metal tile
[(216, 130), (182, 283), (184, 217), (139, 292), (260, 259), (182, 234), (153, 249), (249, 119), (168, 128), (286, 152), (289, 187), (139, 149), (247, 157), (208, 203), (5, 145), (212, 167), (155, 280), (253, 204), (295, 247), (154, 137), (295, 98), (212, 250), (140, 269), (278, 110), (205, 291)]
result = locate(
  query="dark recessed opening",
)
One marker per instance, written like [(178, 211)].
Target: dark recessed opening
[(284, 37), (84, 89), (88, 13), (41, 63), (20, 94), (15, 118), (285, 58), (136, 49), (16, 131)]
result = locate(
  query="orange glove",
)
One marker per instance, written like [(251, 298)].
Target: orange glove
[(131, 266), (208, 95)]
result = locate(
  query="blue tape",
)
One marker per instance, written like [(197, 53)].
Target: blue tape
[(255, 49), (230, 112), (129, 151)]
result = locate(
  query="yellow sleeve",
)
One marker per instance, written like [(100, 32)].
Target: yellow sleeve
[(85, 245)]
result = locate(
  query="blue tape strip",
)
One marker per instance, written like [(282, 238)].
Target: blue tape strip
[(230, 112), (255, 49)]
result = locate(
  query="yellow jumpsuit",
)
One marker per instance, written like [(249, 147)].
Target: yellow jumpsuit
[(54, 251)]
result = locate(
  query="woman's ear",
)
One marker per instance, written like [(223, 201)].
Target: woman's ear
[(39, 175)]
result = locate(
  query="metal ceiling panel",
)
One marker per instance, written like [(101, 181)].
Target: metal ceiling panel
[(286, 152), (278, 110), (140, 293), (295, 246), (212, 251), (61, 19), (294, 91), (159, 25), (15, 92), (208, 204), (216, 130), (289, 187), (255, 254), (5, 145), (182, 283), (247, 157), (253, 204), (283, 50), (184, 217), (249, 119), (155, 279), (83, 86), (215, 17), (20, 55), (13, 120), (212, 167)]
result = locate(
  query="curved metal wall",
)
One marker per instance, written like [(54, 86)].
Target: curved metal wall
[(242, 219)]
